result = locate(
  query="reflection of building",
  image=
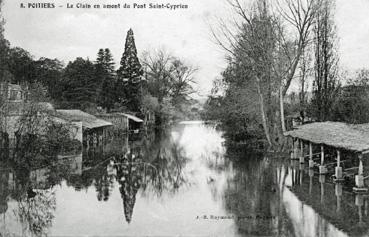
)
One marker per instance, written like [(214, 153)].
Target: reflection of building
[(332, 205), (39, 178), (74, 162)]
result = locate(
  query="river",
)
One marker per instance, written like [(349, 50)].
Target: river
[(184, 182)]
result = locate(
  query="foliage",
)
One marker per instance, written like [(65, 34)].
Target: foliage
[(352, 103), (34, 114), (129, 76), (37, 213), (79, 85), (85, 85), (49, 72), (105, 73), (20, 65), (326, 83), (265, 45), (4, 48), (170, 81), (237, 109)]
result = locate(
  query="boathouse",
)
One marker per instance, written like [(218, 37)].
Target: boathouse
[(328, 136), (93, 128), (123, 122)]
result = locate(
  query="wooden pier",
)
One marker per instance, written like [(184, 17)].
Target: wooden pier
[(333, 135)]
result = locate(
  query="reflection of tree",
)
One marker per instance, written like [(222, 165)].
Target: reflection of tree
[(255, 192), (154, 165), (37, 213), (4, 191), (104, 185), (166, 161), (129, 178), (36, 207)]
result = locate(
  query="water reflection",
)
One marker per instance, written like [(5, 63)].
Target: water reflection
[(184, 181)]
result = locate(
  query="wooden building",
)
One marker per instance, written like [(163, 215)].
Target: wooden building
[(93, 128), (327, 141), (123, 122)]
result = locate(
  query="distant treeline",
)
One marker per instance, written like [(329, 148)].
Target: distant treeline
[(158, 83)]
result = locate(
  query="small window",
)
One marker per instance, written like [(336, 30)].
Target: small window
[(13, 95)]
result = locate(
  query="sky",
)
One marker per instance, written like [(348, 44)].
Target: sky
[(69, 33)]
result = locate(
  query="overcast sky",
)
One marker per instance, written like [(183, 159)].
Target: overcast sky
[(66, 34)]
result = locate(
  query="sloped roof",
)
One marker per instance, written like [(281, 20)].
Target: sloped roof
[(88, 120), (132, 117), (354, 137), (129, 116)]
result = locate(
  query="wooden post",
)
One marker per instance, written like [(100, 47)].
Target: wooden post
[(293, 148), (322, 168), (359, 178), (338, 158), (311, 175), (322, 182), (361, 168), (301, 151), (359, 202), (338, 169), (311, 162), (321, 155), (338, 192)]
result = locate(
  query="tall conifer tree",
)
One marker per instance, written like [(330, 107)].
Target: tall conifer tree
[(129, 76), (106, 74)]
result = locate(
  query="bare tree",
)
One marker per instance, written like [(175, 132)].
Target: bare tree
[(325, 62), (300, 15), (182, 78), (168, 80), (157, 72), (305, 71), (260, 35)]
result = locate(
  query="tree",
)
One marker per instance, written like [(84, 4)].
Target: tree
[(129, 83), (326, 84), (105, 73), (304, 73), (182, 80), (170, 81), (80, 85), (21, 66), (352, 103), (238, 108), (4, 49), (271, 56), (2, 21), (158, 74), (49, 72)]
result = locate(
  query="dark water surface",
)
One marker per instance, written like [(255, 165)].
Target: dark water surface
[(182, 183)]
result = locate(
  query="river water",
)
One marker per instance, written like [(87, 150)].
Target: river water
[(184, 182)]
